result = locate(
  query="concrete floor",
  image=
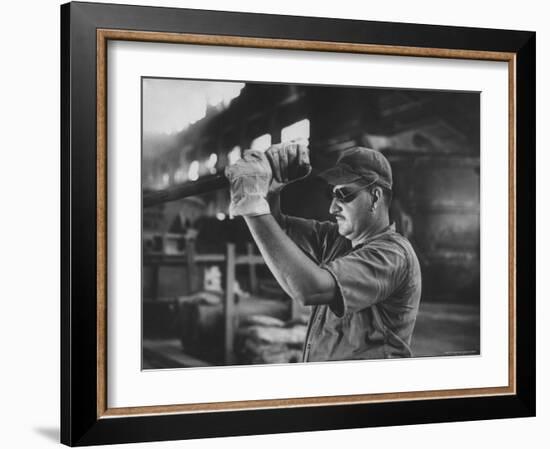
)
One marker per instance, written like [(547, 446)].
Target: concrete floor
[(441, 330)]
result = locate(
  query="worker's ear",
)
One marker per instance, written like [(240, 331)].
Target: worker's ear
[(376, 194)]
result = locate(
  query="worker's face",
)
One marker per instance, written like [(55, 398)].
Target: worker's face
[(353, 216)]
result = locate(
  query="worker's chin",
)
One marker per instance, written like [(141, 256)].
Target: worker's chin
[(343, 229)]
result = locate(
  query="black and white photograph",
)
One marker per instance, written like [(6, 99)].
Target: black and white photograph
[(275, 224), (300, 223)]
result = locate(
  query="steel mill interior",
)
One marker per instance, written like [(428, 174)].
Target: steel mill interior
[(208, 298)]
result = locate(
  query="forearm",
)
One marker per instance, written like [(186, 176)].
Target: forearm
[(274, 201), (297, 274)]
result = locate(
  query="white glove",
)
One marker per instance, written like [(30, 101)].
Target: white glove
[(249, 180)]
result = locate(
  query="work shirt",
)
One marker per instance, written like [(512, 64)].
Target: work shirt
[(378, 293)]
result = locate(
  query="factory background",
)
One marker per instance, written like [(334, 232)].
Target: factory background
[(207, 297)]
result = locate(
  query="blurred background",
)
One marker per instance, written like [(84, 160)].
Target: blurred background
[(208, 298)]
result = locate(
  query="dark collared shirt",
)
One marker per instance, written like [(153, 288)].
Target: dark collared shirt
[(378, 294)]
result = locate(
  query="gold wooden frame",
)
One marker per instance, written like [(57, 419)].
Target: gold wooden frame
[(104, 35)]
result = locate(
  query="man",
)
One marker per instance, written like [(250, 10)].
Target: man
[(361, 278)]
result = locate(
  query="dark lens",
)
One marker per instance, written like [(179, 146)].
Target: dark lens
[(342, 194)]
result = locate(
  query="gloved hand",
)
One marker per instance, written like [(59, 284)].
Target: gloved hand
[(289, 162), (249, 180)]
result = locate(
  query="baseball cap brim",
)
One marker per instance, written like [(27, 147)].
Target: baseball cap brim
[(341, 174)]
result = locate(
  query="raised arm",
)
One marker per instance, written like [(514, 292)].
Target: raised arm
[(274, 201), (251, 179), (289, 163), (300, 277)]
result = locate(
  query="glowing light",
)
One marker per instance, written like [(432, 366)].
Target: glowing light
[(261, 143), (193, 171), (220, 216), (179, 175), (234, 155), (171, 105), (297, 131), (211, 163), (221, 94)]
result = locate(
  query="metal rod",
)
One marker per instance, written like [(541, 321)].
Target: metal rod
[(201, 185)]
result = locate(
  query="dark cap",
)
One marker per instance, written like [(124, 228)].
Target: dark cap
[(359, 163)]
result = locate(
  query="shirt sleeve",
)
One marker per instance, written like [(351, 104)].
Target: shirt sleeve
[(310, 235), (367, 276)]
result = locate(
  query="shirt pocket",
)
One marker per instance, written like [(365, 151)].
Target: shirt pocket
[(338, 324)]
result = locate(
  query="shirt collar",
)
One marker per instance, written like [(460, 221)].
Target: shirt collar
[(388, 229)]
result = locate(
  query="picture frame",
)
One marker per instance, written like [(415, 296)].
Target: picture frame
[(86, 419)]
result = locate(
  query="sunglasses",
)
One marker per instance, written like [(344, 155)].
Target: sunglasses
[(346, 194)]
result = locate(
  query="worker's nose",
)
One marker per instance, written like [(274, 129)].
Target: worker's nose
[(334, 207)]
